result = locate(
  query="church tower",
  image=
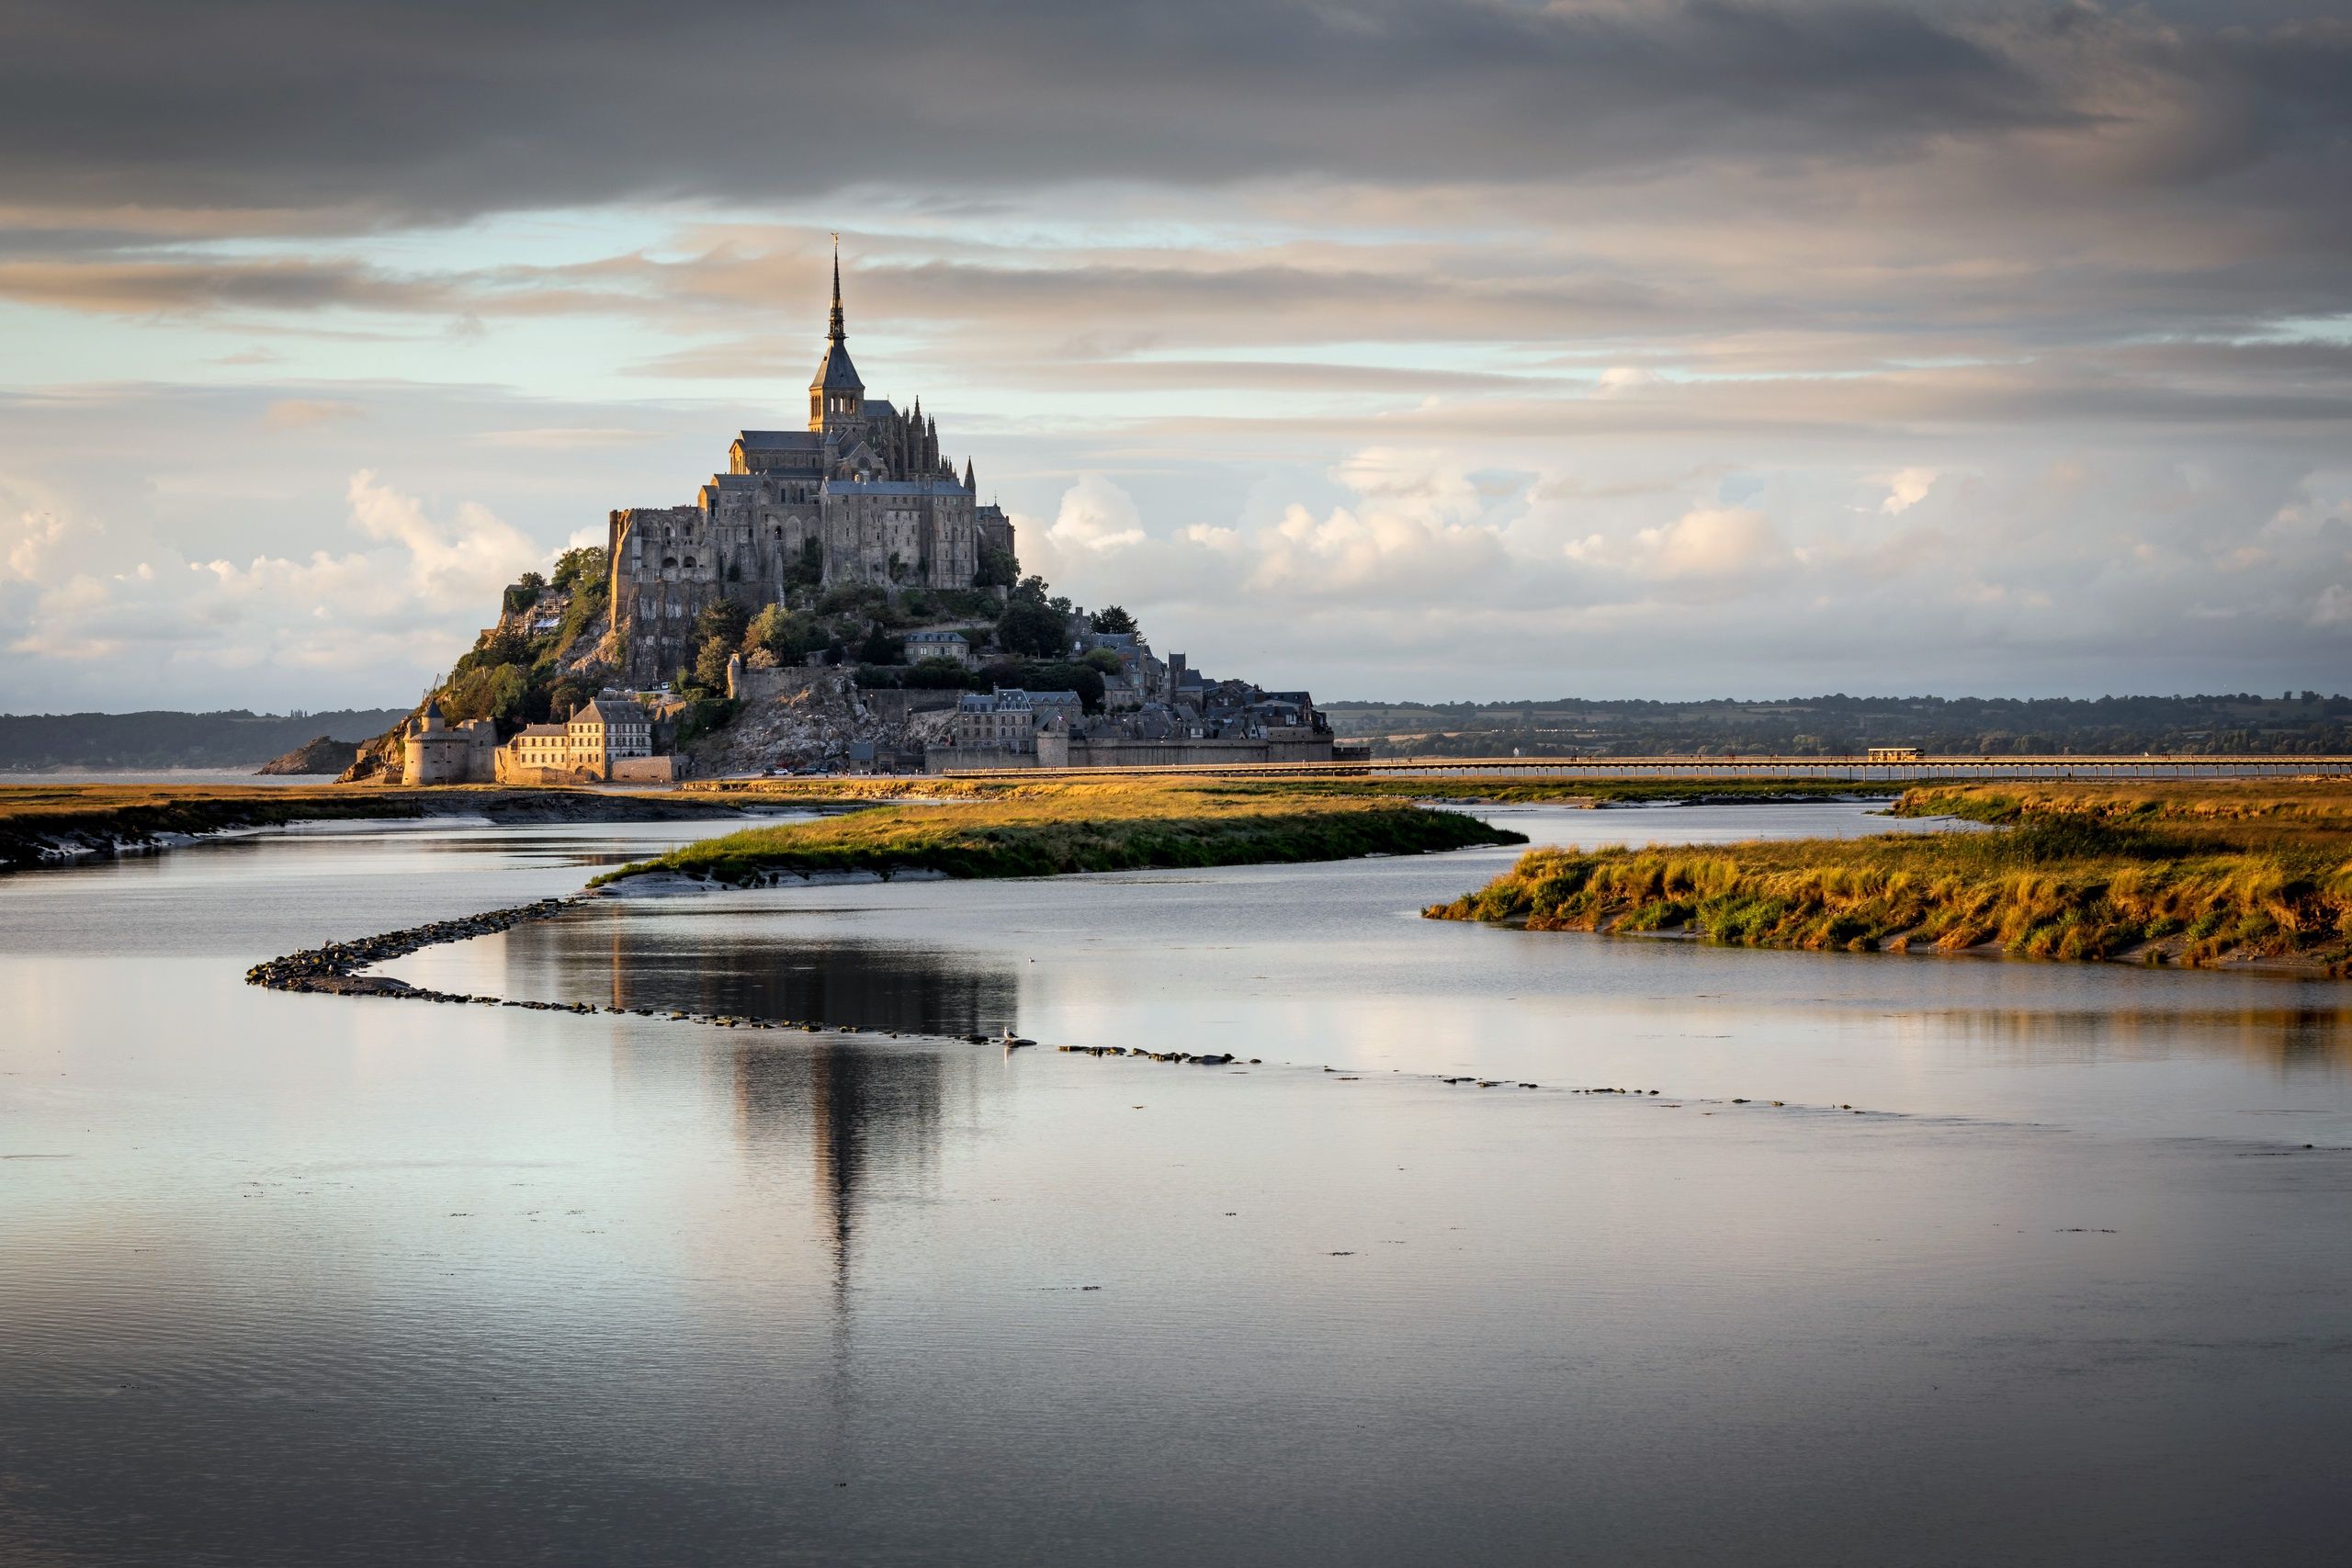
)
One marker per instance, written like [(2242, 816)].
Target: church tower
[(836, 398)]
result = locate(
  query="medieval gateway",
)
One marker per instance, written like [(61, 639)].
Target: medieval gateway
[(862, 496)]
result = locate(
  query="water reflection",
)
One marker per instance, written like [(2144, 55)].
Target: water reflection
[(2290, 1041), (861, 1111), (723, 963)]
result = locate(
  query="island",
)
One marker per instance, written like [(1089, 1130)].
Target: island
[(2247, 874)]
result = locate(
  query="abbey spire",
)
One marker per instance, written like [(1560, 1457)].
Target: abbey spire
[(836, 333), (836, 396)]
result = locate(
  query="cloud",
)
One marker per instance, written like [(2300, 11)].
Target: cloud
[(1096, 517), (1729, 541), (1906, 490), (302, 414), (458, 565), (466, 110), (565, 438), (1620, 380), (409, 598)]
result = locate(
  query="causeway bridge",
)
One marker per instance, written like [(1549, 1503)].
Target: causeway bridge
[(1859, 770)]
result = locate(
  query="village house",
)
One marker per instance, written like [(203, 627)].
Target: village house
[(608, 739), (951, 646)]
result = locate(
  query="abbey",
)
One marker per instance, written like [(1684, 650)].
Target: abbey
[(862, 496)]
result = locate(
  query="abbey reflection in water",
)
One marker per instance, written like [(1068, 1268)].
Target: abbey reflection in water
[(719, 960)]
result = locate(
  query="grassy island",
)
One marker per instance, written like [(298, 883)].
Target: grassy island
[(1046, 829), (2255, 872)]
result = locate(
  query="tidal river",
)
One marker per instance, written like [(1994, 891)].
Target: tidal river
[(1996, 1263)]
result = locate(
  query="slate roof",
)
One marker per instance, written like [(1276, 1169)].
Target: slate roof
[(835, 372), (612, 710)]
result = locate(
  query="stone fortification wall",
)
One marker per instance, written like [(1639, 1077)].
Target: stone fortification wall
[(1063, 751), (957, 759), (465, 754), (511, 772), (748, 687), (891, 706)]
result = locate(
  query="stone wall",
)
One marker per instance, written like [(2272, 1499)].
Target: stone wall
[(1063, 751), (896, 706), (511, 772), (645, 770), (953, 758), (748, 686)]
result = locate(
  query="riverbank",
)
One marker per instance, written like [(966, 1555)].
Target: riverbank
[(2241, 873), (64, 824), (1055, 828)]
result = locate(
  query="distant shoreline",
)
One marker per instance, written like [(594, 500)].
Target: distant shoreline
[(67, 824)]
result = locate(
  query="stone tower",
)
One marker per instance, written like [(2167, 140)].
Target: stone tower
[(836, 398)]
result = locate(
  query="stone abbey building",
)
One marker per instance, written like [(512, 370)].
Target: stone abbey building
[(861, 496)]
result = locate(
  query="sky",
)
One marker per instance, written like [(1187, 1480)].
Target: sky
[(1410, 349)]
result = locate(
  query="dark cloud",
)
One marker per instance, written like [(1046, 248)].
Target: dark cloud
[(412, 108)]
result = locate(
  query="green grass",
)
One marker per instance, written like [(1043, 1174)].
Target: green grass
[(2184, 875), (1054, 829)]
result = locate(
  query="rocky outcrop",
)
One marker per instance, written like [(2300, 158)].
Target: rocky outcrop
[(792, 719), (323, 755)]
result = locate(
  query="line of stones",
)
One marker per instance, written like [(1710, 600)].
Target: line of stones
[(334, 970), (1211, 1059)]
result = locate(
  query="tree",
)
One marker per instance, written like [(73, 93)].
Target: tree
[(1037, 590), (880, 647), (1104, 660), (710, 663), (564, 699), (496, 690), (938, 674), (1113, 618), (495, 649), (1031, 627), (808, 568), (575, 568), (722, 620), (790, 635), (997, 568), (525, 593)]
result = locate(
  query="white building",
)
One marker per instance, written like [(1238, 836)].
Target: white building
[(608, 738)]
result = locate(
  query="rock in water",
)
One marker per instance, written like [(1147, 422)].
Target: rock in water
[(324, 755)]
